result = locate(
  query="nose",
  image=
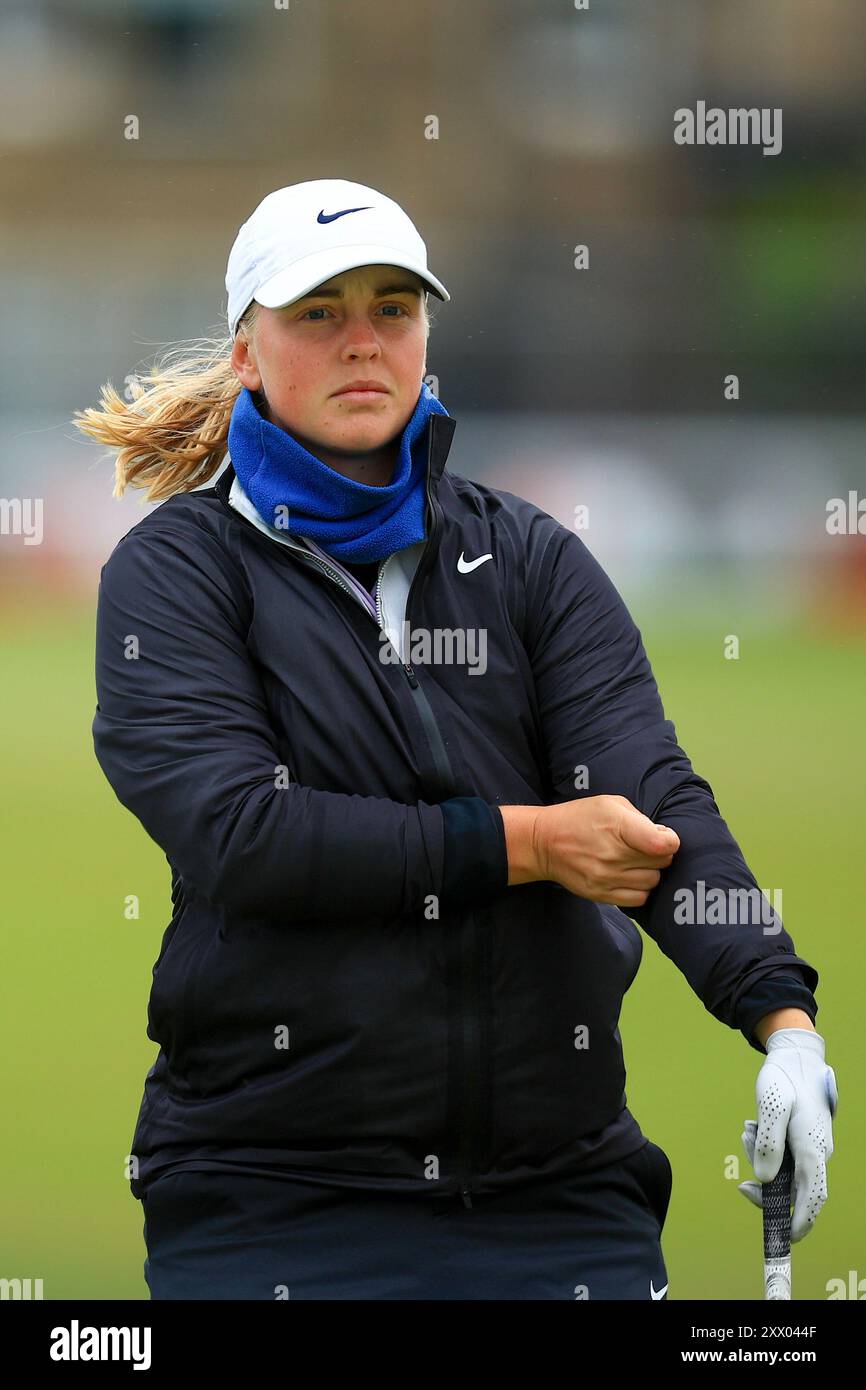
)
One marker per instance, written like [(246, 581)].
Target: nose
[(361, 339)]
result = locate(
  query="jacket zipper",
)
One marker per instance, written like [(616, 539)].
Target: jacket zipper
[(470, 1000)]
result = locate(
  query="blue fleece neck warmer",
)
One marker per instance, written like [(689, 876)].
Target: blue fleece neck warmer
[(351, 521)]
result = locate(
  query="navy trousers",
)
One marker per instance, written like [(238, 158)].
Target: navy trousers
[(212, 1235)]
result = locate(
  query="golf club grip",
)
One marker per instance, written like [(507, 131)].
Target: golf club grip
[(776, 1198)]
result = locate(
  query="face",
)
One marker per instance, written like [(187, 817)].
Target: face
[(364, 324)]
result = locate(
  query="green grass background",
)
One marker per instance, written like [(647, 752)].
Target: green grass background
[(777, 733)]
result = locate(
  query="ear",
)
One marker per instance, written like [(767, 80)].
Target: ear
[(243, 362)]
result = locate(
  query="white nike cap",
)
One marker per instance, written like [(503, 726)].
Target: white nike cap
[(300, 236)]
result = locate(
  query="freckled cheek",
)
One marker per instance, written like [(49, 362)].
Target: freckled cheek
[(294, 377)]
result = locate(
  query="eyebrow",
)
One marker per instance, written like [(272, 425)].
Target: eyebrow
[(383, 289)]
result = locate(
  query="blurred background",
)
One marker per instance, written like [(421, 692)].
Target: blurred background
[(600, 388)]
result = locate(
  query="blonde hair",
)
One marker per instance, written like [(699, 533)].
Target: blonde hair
[(172, 435)]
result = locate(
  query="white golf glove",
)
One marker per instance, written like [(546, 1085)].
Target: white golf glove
[(797, 1099)]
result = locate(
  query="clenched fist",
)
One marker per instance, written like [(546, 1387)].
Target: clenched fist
[(598, 847)]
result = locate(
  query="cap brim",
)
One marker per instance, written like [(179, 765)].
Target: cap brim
[(288, 285)]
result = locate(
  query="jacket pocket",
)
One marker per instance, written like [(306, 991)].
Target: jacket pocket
[(627, 940), (179, 904), (652, 1170), (175, 976)]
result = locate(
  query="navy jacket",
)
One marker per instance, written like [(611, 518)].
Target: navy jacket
[(347, 986)]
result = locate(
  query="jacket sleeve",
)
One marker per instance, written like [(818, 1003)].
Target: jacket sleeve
[(599, 708), (779, 990), (182, 733)]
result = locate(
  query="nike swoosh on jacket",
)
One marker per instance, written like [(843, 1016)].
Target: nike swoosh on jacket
[(347, 987)]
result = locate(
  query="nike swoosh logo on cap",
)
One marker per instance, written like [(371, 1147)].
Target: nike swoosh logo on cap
[(661, 1293), (332, 216), (467, 566)]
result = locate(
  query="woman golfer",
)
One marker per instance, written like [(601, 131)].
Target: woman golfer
[(400, 741)]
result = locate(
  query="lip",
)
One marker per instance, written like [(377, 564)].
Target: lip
[(365, 389)]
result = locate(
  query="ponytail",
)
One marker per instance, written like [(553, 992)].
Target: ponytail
[(172, 436)]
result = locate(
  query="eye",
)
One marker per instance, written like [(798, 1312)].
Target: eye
[(322, 309)]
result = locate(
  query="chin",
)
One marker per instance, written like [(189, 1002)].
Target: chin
[(362, 440), (365, 446)]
